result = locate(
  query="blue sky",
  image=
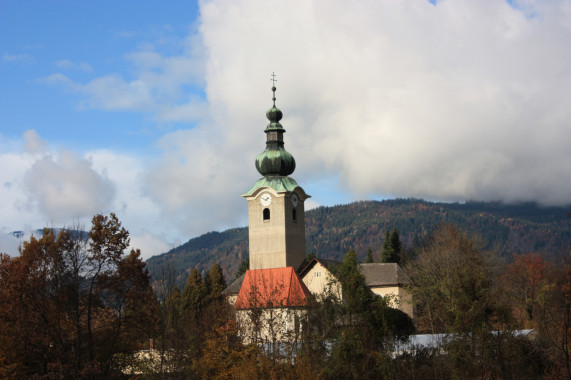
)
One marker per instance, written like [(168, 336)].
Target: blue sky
[(155, 110), (84, 40)]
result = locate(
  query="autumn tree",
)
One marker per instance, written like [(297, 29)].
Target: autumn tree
[(188, 319), (452, 282), (454, 290), (552, 316), (70, 304), (526, 283)]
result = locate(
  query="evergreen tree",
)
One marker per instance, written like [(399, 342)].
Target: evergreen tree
[(368, 326), (356, 293), (244, 266), (172, 309), (370, 256), (392, 247), (194, 293), (310, 256), (215, 282)]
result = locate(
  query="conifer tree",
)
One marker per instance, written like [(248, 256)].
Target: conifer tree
[(194, 293), (244, 265), (172, 309), (356, 293), (392, 247), (215, 282), (370, 256)]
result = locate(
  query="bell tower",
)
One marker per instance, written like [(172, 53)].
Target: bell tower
[(276, 213)]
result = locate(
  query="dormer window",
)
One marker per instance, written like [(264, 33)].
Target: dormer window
[(266, 214)]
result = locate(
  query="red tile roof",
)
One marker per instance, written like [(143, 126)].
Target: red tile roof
[(269, 288)]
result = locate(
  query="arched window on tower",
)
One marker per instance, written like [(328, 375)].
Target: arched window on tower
[(294, 214), (266, 213)]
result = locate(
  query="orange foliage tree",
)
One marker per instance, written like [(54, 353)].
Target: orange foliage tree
[(526, 283), (71, 303)]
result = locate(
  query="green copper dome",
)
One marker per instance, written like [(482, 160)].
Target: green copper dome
[(274, 114), (275, 160)]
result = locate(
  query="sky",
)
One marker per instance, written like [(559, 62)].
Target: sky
[(155, 110)]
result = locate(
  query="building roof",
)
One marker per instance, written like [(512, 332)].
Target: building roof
[(383, 274), (234, 287), (376, 274), (270, 288), (307, 265), (278, 183)]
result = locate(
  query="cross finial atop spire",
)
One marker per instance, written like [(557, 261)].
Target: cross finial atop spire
[(274, 80)]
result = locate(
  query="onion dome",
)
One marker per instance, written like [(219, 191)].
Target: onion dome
[(275, 160)]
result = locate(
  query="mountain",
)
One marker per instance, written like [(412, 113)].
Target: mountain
[(332, 231)]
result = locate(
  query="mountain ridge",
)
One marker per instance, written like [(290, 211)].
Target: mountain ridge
[(333, 230)]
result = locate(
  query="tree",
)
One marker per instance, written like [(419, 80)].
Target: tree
[(392, 247), (71, 304), (366, 326), (452, 282), (172, 310), (370, 255), (244, 266), (215, 283), (194, 293), (526, 284), (454, 291)]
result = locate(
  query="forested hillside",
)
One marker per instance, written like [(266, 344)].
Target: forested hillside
[(332, 231)]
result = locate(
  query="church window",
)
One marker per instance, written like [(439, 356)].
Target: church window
[(266, 213), (294, 214)]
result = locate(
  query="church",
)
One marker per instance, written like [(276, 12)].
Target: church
[(270, 298)]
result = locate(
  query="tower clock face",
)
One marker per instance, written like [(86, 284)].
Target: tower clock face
[(294, 199), (266, 199)]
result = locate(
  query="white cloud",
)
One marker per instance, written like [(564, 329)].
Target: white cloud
[(158, 84), (33, 143), (70, 65), (150, 231), (311, 204), (42, 187), (14, 57), (196, 182), (15, 211), (455, 101), (9, 244), (66, 187), (150, 244)]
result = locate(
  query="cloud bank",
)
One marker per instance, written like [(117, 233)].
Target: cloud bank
[(462, 100)]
